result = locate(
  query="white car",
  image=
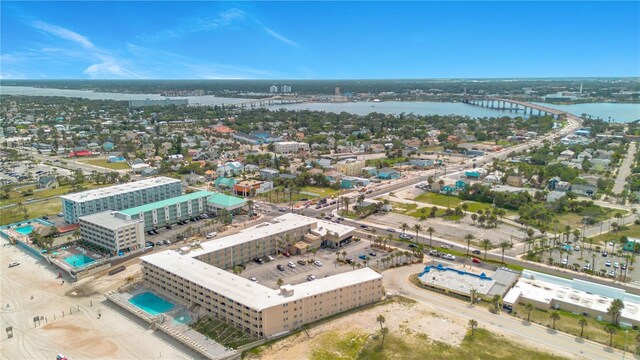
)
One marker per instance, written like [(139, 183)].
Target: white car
[(270, 257), (318, 263), (12, 264), (564, 262), (311, 277), (291, 264), (253, 278), (212, 235)]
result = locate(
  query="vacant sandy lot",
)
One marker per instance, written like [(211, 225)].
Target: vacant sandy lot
[(398, 316), (79, 335)]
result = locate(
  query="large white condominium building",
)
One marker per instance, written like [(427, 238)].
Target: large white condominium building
[(288, 147), (196, 277), (119, 197)]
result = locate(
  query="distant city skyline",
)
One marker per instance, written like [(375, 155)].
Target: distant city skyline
[(310, 40)]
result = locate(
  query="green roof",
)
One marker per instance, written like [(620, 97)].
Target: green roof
[(168, 202), (226, 200), (228, 182)]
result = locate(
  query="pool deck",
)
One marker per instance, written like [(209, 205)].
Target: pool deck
[(164, 322)]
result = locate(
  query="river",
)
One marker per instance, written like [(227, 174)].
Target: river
[(607, 111)]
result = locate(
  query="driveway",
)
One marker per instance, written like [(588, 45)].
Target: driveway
[(625, 169)]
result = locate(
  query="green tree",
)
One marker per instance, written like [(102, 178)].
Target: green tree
[(611, 330), (381, 320), (615, 310), (430, 230), (417, 228), (529, 308), (554, 317), (384, 331), (280, 282), (473, 324), (504, 245), (582, 322), (486, 245), (469, 237)]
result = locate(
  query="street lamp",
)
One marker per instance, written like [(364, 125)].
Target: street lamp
[(624, 348)]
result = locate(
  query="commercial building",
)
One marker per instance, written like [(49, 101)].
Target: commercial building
[(350, 167), (286, 89), (119, 197), (112, 233), (273, 89), (169, 211), (196, 278), (578, 296), (462, 283), (288, 147)]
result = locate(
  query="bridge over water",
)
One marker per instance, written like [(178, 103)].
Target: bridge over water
[(275, 100), (516, 105)]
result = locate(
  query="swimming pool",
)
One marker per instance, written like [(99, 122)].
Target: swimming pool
[(151, 303), (78, 260), (182, 320), (24, 230)]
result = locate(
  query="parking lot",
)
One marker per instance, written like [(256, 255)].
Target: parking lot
[(267, 273), (18, 171), (610, 266)]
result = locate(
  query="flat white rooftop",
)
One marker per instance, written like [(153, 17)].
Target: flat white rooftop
[(107, 220), (456, 280), (244, 291), (119, 189), (278, 225)]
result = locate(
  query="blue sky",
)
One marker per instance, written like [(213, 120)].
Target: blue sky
[(318, 40)]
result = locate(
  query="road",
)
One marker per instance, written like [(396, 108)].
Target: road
[(396, 281), (625, 169), (70, 164)]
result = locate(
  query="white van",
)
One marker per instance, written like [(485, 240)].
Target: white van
[(15, 263), (212, 235)]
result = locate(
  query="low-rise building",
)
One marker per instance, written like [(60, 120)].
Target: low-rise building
[(388, 174), (290, 147), (350, 167), (112, 233)]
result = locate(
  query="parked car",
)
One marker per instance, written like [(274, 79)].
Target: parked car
[(280, 267), (159, 243), (13, 264), (269, 257), (291, 265), (477, 252), (612, 273), (282, 209), (616, 265), (391, 230), (253, 278), (318, 263), (405, 236), (446, 246), (564, 262), (363, 257), (286, 254), (166, 242), (476, 260), (373, 254), (607, 263), (311, 277), (211, 235), (413, 245), (258, 260), (434, 253), (604, 254), (348, 260), (302, 262)]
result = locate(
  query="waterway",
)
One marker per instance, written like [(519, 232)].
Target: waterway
[(607, 111)]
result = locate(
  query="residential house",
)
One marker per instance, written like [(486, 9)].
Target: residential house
[(231, 168), (566, 155), (48, 182), (388, 174), (224, 183), (555, 196), (584, 190), (563, 186), (421, 162), (553, 182), (369, 171), (268, 173), (149, 171)]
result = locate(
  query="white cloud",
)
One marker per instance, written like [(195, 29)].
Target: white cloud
[(186, 26), (63, 34), (280, 37), (109, 69)]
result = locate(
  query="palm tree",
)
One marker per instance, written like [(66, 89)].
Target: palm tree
[(384, 331), (237, 269), (417, 228), (469, 237), (615, 310), (620, 218), (250, 205), (346, 202), (431, 230), (554, 316), (380, 319), (504, 245), (611, 330), (582, 322), (404, 227), (496, 302), (529, 308), (280, 282), (473, 324), (486, 244)]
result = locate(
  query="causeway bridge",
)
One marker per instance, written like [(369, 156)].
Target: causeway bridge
[(275, 100), (516, 105)]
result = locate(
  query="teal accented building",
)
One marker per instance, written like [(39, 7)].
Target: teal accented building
[(218, 202), (167, 212)]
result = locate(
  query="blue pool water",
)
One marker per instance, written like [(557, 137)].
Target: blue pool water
[(78, 260), (151, 303), (182, 320), (25, 230)]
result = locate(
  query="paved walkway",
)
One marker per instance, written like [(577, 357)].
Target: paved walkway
[(625, 169)]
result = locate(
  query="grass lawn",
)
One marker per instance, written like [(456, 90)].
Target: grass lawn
[(103, 163), (402, 208), (322, 191), (453, 201), (568, 323), (42, 194), (633, 231), (575, 220), (48, 207), (222, 333), (406, 344)]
